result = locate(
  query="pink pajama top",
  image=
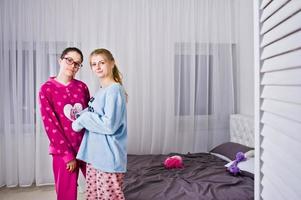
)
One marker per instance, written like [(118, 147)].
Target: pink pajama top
[(59, 104)]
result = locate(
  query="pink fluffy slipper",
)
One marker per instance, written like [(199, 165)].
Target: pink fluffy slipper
[(173, 162)]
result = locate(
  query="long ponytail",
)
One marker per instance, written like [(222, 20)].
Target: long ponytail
[(117, 76)]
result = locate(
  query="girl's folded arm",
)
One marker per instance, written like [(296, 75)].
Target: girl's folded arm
[(109, 122)]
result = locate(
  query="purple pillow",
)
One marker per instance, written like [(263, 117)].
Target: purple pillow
[(229, 149)]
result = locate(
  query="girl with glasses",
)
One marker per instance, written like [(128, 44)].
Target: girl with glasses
[(61, 98)]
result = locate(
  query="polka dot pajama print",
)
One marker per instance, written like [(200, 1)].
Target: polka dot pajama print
[(103, 185)]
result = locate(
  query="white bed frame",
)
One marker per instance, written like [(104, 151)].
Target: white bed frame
[(242, 129)]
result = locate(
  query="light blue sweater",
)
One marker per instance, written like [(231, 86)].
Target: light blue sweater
[(105, 139)]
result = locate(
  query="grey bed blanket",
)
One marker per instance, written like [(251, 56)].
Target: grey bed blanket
[(203, 177)]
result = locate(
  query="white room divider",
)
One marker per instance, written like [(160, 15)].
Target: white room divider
[(278, 99)]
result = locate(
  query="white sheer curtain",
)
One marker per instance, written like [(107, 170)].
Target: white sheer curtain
[(177, 58)]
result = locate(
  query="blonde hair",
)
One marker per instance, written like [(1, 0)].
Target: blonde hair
[(117, 76)]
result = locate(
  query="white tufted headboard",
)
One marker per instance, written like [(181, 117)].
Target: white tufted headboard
[(242, 129)]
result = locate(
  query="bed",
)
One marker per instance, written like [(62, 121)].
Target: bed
[(203, 177)]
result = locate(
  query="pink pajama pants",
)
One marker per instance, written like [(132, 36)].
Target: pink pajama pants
[(103, 185), (65, 181)]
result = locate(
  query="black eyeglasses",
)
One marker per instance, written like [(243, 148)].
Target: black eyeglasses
[(70, 61)]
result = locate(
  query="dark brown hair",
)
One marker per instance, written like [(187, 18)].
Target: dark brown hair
[(69, 49)]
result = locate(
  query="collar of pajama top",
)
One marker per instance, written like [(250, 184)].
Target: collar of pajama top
[(63, 102), (104, 142)]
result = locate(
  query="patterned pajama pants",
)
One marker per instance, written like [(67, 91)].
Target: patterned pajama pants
[(103, 185)]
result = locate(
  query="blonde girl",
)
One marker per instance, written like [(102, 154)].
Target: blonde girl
[(104, 144)]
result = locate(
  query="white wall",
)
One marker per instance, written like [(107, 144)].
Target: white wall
[(245, 64)]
